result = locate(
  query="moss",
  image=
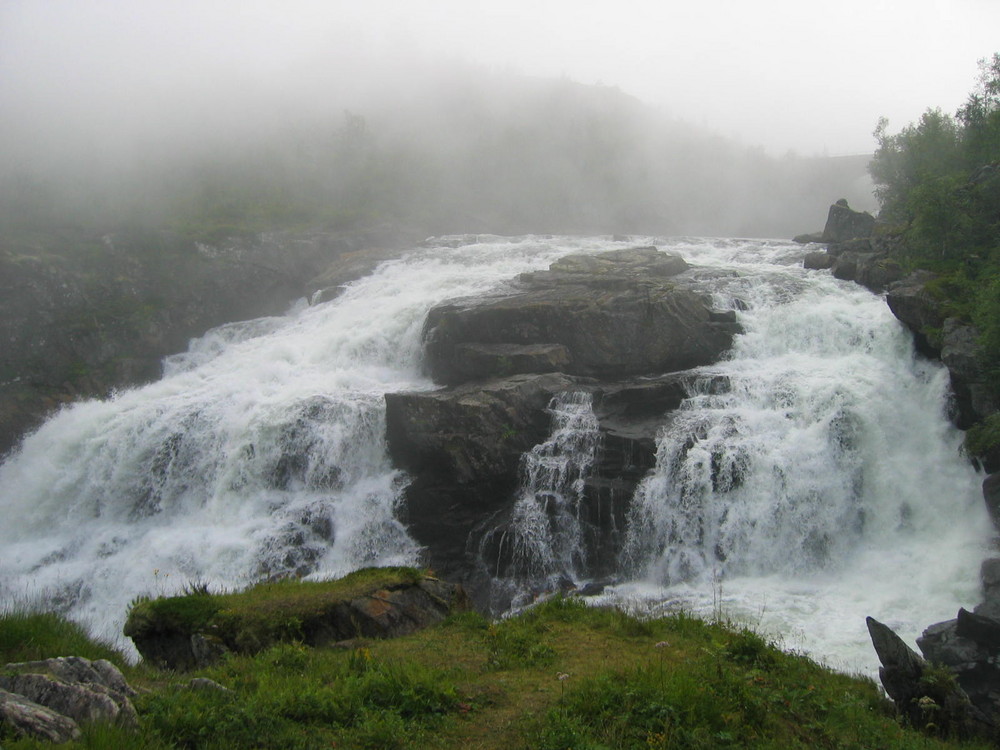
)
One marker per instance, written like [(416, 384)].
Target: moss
[(983, 438)]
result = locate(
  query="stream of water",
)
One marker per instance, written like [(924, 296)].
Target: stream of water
[(824, 484)]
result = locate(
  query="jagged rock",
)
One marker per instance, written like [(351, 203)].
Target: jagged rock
[(34, 720), (926, 700), (877, 271), (617, 314), (844, 224), (80, 689), (845, 266), (967, 646), (918, 309)]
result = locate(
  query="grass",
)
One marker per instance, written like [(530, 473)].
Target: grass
[(561, 675)]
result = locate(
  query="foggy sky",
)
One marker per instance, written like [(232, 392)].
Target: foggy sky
[(783, 74)]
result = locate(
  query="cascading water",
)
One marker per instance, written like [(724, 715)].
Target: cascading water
[(542, 545), (821, 484), (810, 480), (260, 453)]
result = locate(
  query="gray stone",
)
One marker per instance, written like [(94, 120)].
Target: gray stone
[(34, 720), (844, 224), (819, 260), (918, 309)]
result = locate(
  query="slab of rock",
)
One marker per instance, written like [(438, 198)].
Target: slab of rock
[(918, 309), (34, 720), (934, 705), (613, 315)]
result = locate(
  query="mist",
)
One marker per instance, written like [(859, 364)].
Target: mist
[(210, 119)]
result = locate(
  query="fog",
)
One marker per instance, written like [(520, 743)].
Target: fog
[(463, 116)]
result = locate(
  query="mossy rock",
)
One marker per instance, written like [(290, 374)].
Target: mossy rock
[(183, 632)]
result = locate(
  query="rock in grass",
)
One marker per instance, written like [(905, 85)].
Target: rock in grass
[(34, 720), (372, 603)]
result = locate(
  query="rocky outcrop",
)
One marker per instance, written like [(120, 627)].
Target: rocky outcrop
[(843, 223), (51, 699), (82, 314), (590, 323), (195, 630), (929, 700), (619, 314)]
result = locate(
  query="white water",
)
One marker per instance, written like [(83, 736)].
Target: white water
[(544, 534), (261, 452), (825, 485)]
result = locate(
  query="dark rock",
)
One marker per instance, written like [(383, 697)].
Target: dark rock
[(819, 260), (844, 224), (919, 310), (33, 720), (991, 494), (877, 271), (974, 398), (845, 266), (616, 314), (927, 700), (480, 361), (989, 575), (966, 646), (805, 239)]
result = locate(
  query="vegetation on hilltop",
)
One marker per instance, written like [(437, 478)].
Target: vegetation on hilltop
[(561, 675), (938, 184)]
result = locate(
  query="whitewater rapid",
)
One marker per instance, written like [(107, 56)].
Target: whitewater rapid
[(824, 485)]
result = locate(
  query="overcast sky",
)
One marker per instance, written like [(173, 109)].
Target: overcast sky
[(785, 74)]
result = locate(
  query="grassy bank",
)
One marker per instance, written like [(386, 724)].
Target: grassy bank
[(562, 675)]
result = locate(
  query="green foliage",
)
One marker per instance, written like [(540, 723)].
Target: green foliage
[(939, 180), (30, 636), (984, 437)]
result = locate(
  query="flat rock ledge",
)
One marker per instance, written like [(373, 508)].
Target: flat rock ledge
[(49, 700), (197, 629), (618, 314)]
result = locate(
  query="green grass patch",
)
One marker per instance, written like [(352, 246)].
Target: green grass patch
[(31, 636), (560, 675)]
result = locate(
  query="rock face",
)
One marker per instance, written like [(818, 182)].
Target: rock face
[(50, 699), (928, 700), (590, 325), (615, 315)]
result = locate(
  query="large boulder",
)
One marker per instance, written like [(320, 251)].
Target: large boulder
[(975, 399), (618, 314), (30, 719), (843, 223)]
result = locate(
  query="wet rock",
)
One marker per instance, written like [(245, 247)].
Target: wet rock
[(809, 237), (974, 398), (989, 576), (843, 223), (928, 700), (617, 314), (918, 309), (819, 260)]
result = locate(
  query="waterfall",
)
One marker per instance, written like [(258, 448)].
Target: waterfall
[(260, 453), (823, 483), (809, 479), (542, 544)]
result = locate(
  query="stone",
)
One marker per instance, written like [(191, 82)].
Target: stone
[(989, 576), (844, 224), (991, 494), (819, 260), (974, 398), (967, 646), (82, 690), (810, 237), (36, 721), (613, 315), (928, 702), (918, 309)]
